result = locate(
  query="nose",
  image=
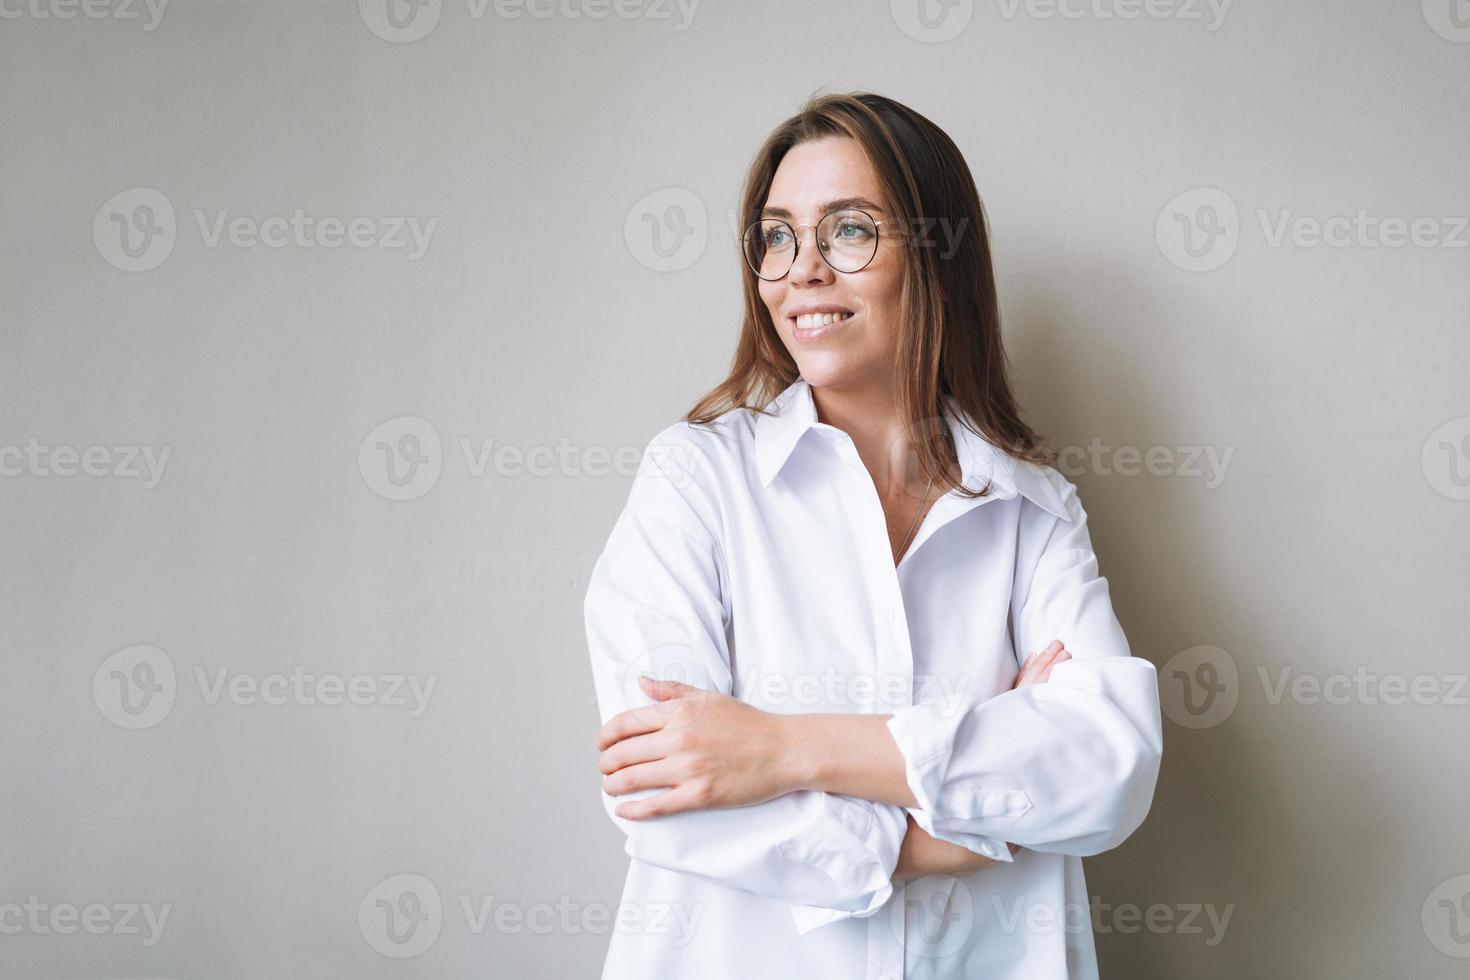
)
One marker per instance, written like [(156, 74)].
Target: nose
[(809, 266)]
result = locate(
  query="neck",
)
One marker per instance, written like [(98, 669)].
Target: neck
[(870, 416)]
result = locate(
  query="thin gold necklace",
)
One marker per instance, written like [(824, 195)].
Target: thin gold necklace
[(915, 523)]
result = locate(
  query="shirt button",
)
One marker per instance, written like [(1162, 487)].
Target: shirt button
[(988, 850)]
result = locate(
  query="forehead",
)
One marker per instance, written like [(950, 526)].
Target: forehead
[(813, 174)]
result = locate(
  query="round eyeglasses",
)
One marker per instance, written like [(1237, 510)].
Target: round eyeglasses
[(847, 240)]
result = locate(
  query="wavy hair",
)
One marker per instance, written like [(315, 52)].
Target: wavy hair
[(949, 341)]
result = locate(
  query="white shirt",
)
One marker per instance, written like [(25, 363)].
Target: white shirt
[(753, 558)]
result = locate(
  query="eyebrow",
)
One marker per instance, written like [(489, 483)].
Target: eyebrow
[(827, 208)]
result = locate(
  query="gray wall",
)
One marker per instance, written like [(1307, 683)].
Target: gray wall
[(1271, 434)]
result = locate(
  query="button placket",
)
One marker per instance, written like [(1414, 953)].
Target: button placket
[(893, 658), (886, 941)]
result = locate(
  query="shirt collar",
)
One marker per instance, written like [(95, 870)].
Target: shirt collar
[(794, 412)]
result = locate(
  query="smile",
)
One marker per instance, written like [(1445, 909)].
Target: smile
[(810, 326)]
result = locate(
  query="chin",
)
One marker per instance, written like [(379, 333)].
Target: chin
[(829, 372)]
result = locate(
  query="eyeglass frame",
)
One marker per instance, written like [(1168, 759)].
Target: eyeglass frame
[(795, 234)]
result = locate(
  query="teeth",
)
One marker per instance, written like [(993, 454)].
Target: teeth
[(809, 320)]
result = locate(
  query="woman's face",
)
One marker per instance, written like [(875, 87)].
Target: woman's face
[(858, 351)]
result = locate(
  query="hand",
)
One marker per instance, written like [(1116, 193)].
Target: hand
[(1037, 668), (925, 850), (710, 749)]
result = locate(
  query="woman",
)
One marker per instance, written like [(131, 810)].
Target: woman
[(820, 739)]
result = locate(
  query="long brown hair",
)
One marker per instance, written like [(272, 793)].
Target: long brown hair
[(949, 340)]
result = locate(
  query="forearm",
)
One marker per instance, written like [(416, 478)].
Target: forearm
[(853, 755), (923, 855)]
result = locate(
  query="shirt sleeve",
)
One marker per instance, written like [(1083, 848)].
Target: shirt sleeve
[(1067, 766), (655, 603)]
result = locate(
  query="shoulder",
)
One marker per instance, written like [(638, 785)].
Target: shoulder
[(705, 455), (692, 468), (1048, 496)]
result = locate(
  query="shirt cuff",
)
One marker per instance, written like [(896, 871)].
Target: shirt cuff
[(924, 737), (926, 740), (859, 856)]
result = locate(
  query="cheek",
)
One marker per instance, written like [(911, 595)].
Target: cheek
[(880, 295), (771, 295)]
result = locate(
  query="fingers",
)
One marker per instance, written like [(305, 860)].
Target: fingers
[(638, 721), (1037, 667), (625, 724), (1045, 675), (631, 751), (1037, 662), (645, 775), (676, 800), (1052, 648)]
